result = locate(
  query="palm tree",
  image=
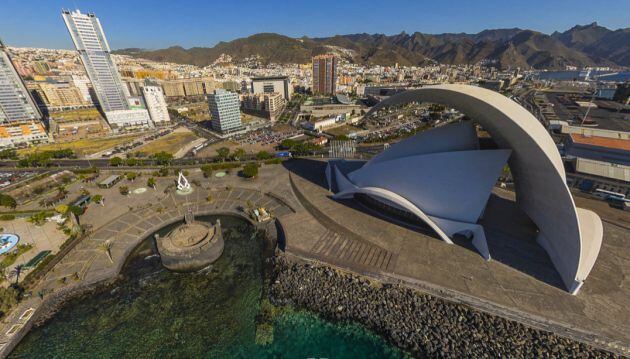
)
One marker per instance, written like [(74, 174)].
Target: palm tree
[(107, 248), (16, 272), (98, 199), (151, 182)]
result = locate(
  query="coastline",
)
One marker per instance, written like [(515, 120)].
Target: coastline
[(419, 323), (413, 321)]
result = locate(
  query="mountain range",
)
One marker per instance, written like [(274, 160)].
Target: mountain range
[(588, 45)]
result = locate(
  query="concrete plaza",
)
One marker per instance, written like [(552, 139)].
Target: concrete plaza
[(519, 281)]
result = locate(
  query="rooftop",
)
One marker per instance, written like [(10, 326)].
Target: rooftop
[(619, 144), (269, 78), (109, 180)]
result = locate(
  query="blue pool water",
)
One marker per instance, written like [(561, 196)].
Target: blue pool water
[(8, 241)]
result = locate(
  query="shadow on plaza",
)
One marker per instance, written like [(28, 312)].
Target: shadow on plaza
[(511, 235)]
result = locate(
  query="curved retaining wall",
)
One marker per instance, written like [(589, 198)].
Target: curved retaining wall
[(46, 308)]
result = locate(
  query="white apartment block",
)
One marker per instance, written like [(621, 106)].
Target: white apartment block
[(156, 104)]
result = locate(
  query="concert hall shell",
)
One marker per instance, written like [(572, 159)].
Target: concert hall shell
[(445, 179)]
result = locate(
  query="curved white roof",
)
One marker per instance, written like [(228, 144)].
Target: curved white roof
[(535, 163)]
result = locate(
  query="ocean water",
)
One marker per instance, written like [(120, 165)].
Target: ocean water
[(215, 313)]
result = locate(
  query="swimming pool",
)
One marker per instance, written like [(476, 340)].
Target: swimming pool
[(8, 241)]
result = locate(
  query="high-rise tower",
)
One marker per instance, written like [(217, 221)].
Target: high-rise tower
[(89, 40), (16, 103), (325, 74)]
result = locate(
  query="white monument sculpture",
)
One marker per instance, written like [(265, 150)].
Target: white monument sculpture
[(182, 183)]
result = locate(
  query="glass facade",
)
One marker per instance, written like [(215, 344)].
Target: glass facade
[(16, 103), (89, 40), (225, 110)]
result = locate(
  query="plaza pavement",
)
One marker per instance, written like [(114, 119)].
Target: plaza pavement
[(519, 283), (125, 221)]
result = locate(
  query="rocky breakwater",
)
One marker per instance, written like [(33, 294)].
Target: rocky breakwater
[(419, 323)]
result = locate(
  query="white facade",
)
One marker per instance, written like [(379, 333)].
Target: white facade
[(129, 119), (156, 104), (83, 84), (280, 85), (603, 169), (324, 124), (89, 39), (17, 135), (16, 103), (425, 174)]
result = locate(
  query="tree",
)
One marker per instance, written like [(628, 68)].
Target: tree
[(131, 176), (250, 170), (163, 158), (17, 270), (8, 299), (263, 155), (131, 162), (207, 170), (8, 154), (124, 190), (98, 199), (62, 209), (115, 161), (223, 153), (76, 210), (238, 154), (151, 182), (7, 201), (38, 218), (287, 144), (106, 247)]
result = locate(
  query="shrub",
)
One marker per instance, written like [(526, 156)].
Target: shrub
[(250, 170), (7, 201)]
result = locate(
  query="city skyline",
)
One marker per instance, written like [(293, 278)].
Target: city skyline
[(35, 24)]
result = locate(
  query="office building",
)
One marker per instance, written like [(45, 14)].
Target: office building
[(83, 84), (266, 104), (193, 87), (156, 104), (173, 88), (231, 86), (129, 119), (274, 104), (188, 87), (14, 135), (60, 96), (325, 74), (225, 110), (90, 41), (279, 84), (16, 103)]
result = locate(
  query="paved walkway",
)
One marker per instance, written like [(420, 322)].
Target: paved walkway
[(88, 263), (520, 282)]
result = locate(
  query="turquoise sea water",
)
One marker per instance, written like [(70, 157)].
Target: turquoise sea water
[(154, 313)]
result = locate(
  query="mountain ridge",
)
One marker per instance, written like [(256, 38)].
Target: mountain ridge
[(582, 45)]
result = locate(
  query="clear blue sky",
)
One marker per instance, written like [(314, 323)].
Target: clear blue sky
[(161, 23)]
